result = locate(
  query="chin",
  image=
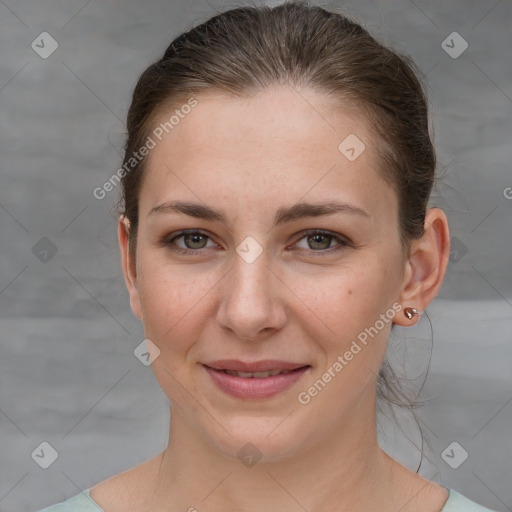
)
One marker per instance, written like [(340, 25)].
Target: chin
[(259, 440)]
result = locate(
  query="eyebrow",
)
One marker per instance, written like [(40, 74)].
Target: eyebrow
[(296, 212)]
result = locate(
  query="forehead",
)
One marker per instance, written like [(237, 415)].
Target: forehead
[(278, 145)]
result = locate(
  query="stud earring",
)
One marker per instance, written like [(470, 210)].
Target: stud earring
[(410, 312)]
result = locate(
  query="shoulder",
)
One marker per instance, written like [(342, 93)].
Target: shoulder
[(459, 503), (119, 492), (81, 502)]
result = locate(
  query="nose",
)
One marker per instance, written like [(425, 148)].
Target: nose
[(252, 305)]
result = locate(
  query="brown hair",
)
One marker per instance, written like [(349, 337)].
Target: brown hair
[(247, 49)]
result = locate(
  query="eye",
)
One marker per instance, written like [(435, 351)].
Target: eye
[(194, 241), (317, 241), (320, 241)]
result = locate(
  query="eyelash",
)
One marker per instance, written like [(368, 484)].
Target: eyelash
[(342, 242)]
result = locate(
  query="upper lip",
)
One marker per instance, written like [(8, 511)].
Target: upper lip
[(256, 366)]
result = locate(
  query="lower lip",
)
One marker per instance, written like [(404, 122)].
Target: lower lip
[(253, 388)]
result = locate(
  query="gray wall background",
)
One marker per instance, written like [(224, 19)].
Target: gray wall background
[(68, 375)]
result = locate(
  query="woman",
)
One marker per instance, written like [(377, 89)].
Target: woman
[(274, 226)]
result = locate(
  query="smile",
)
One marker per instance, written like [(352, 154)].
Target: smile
[(241, 383)]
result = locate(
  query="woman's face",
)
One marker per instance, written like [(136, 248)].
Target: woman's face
[(249, 293)]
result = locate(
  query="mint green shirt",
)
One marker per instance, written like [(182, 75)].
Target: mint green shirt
[(84, 503)]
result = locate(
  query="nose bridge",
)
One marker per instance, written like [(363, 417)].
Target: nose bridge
[(249, 303)]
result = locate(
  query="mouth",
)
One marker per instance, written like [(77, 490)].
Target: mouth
[(256, 375), (257, 380)]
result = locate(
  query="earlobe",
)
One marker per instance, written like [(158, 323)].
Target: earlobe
[(128, 266), (426, 267)]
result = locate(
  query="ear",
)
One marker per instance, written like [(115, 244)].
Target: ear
[(426, 266), (129, 268)]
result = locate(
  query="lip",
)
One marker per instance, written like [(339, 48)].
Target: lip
[(255, 388), (256, 366)]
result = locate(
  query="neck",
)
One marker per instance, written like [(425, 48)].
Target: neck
[(347, 471)]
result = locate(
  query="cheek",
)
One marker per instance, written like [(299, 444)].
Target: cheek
[(347, 324), (174, 303), (345, 301)]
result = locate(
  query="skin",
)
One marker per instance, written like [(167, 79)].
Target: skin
[(249, 157)]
